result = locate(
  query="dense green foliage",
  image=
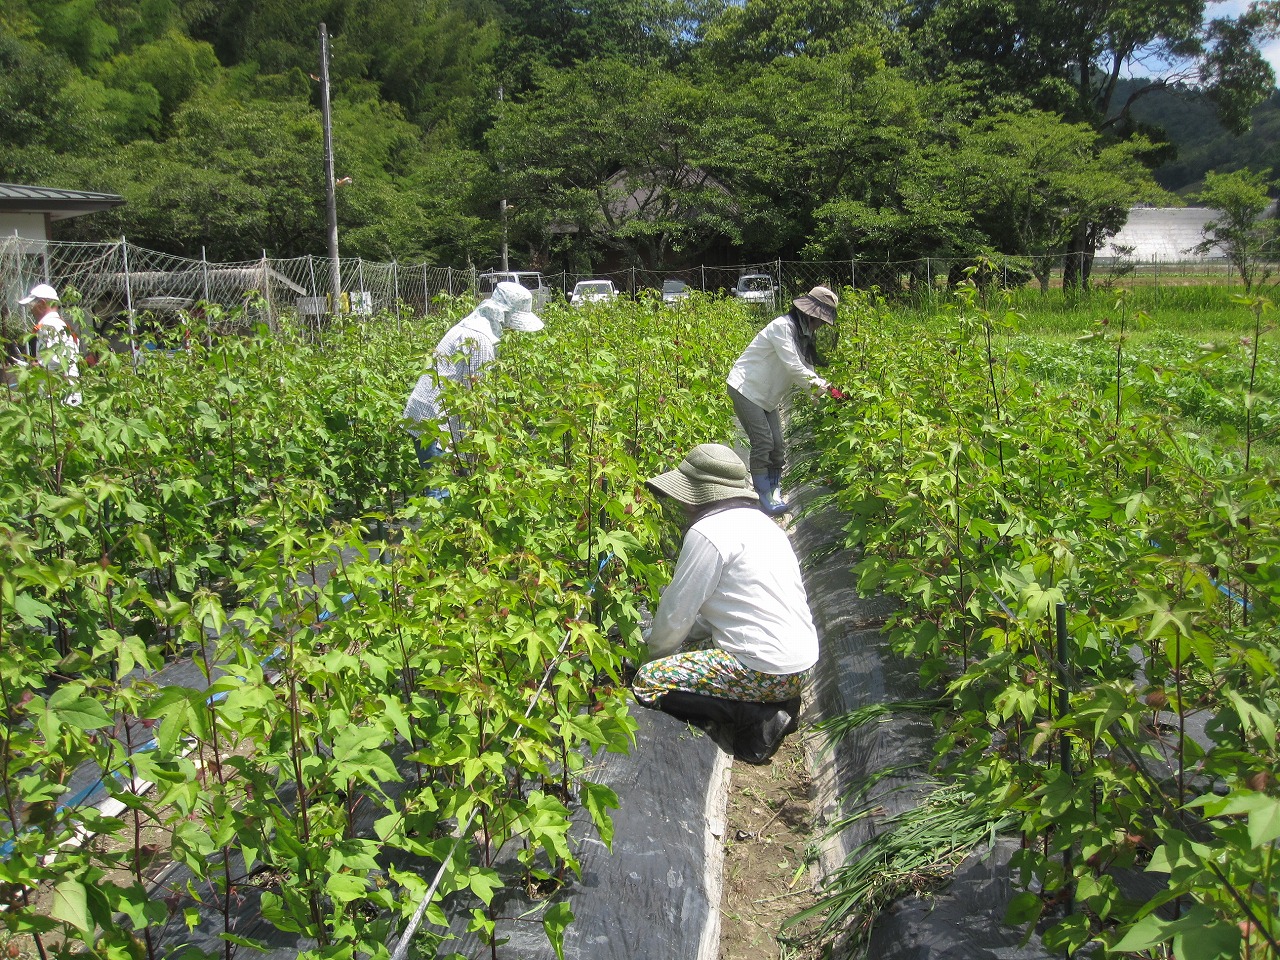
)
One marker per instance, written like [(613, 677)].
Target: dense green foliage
[(1089, 588), (1198, 143), (644, 132), (439, 669)]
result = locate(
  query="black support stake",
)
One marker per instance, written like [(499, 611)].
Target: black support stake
[(1064, 744)]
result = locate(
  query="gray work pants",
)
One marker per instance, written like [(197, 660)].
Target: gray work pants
[(764, 433)]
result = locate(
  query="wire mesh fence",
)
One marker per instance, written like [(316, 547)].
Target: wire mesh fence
[(114, 283)]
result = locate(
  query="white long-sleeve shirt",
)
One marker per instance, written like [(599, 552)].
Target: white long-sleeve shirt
[(57, 351), (771, 366), (738, 577)]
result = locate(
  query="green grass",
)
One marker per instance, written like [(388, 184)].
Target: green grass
[(1202, 312), (1073, 341)]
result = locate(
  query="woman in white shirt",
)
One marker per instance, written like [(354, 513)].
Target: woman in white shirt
[(780, 358), (733, 637)]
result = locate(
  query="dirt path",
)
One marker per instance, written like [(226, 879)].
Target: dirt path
[(769, 870)]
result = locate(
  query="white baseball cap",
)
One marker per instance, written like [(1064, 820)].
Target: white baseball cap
[(41, 291)]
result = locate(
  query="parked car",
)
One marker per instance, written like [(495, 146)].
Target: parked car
[(674, 290), (531, 280), (757, 289), (592, 291)]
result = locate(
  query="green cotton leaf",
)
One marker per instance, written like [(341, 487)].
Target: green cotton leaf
[(1180, 857), (1163, 619), (555, 922), (392, 711), (1024, 908), (261, 946), (1212, 939), (472, 767), (31, 610), (74, 709), (1143, 935), (484, 883), (1264, 823), (276, 912), (345, 887), (586, 728), (140, 907), (1038, 600), (1252, 719), (598, 799), (177, 713), (1262, 810), (71, 905)]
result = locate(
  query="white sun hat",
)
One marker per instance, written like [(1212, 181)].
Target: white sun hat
[(41, 291), (518, 304)]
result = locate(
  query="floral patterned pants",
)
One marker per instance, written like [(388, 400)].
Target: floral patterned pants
[(714, 673)]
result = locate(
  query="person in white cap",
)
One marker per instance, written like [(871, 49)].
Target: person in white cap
[(461, 355), (56, 345), (733, 638), (779, 358)]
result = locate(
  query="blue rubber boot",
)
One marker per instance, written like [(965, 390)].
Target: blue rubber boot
[(769, 503), (775, 482)]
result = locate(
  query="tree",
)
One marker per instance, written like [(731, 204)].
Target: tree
[(1071, 62), (841, 156), (562, 33), (171, 68), (1240, 198), (614, 156), (47, 110), (1035, 179), (757, 32)]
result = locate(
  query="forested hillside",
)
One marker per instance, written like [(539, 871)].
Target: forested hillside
[(1200, 143), (651, 132)]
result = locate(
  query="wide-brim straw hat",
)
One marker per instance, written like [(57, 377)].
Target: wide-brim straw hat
[(709, 473), (819, 303)]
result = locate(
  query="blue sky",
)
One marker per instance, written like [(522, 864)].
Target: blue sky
[(1231, 8), (1225, 8)]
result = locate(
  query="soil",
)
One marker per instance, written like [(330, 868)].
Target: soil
[(770, 869)]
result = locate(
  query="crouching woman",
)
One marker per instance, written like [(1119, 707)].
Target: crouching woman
[(733, 637)]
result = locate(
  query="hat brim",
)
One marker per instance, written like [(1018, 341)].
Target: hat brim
[(523, 321), (815, 308), (677, 486)]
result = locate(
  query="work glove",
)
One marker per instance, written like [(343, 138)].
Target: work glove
[(835, 393)]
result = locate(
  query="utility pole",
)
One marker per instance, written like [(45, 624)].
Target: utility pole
[(502, 204), (330, 187), (502, 207)]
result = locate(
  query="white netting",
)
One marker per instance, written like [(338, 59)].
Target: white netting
[(116, 282)]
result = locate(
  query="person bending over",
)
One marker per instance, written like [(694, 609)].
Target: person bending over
[(733, 637), (778, 359), (461, 356)]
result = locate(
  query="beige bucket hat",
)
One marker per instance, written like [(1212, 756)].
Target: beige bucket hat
[(820, 303), (710, 472)]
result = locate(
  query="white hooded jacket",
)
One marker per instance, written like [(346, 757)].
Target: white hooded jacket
[(468, 347)]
